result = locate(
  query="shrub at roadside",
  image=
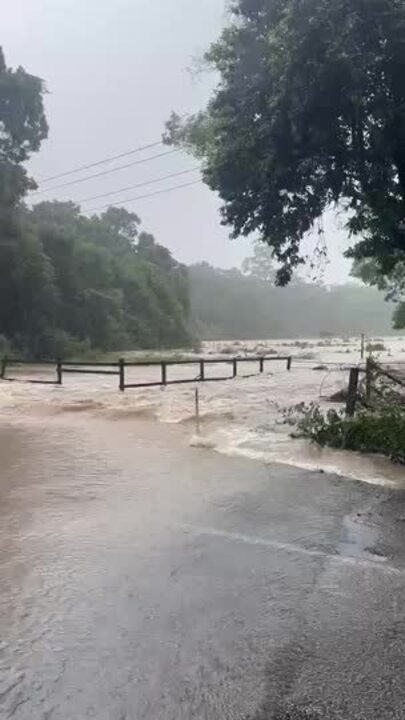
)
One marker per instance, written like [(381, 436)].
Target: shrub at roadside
[(376, 347), (374, 432)]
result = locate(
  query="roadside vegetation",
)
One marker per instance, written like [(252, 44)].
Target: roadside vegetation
[(378, 426), (380, 431), (374, 347)]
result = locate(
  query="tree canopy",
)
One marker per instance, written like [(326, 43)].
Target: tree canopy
[(70, 283), (309, 112), (23, 126), (228, 304), (73, 283)]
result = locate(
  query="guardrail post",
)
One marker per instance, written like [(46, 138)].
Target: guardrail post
[(261, 364), (235, 367), (164, 373), (352, 392), (3, 367), (289, 363), (202, 370), (121, 366), (59, 370)]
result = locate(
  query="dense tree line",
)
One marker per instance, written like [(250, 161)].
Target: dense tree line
[(73, 283), (70, 283), (229, 304)]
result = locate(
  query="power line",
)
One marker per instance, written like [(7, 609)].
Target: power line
[(100, 162), (138, 185), (143, 197), (105, 172)]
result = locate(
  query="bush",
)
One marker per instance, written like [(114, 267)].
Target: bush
[(374, 432), (5, 346), (376, 347)]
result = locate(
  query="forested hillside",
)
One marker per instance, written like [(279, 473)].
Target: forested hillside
[(229, 304), (69, 283), (73, 283)]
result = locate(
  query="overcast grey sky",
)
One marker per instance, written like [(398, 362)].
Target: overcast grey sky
[(115, 69)]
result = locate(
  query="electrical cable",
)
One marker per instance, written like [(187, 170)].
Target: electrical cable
[(138, 185), (99, 162), (104, 172), (143, 197)]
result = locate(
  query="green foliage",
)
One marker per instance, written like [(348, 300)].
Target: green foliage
[(309, 111), (261, 265), (72, 284), (94, 283), (374, 432), (392, 283), (227, 304), (5, 346), (23, 126), (375, 347), (399, 316)]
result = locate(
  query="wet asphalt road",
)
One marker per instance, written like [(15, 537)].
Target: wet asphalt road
[(141, 578)]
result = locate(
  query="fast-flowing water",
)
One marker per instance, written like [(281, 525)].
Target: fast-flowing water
[(243, 416), (140, 577)]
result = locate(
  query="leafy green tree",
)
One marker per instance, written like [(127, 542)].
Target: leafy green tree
[(392, 284), (27, 290), (117, 289), (309, 112), (69, 282), (261, 265), (23, 126), (399, 316)]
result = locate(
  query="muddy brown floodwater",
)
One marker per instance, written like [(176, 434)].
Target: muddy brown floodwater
[(242, 417), (144, 578)]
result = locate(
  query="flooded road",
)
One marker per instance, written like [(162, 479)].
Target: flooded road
[(242, 417), (144, 578)]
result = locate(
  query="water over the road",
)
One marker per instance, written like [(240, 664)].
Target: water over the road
[(144, 578), (141, 578), (238, 417)]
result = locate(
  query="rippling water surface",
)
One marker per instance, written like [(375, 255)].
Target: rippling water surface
[(144, 578), (238, 417)]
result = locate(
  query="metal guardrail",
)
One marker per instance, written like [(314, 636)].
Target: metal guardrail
[(118, 369)]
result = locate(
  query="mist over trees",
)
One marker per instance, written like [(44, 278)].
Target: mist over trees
[(247, 305), (229, 304)]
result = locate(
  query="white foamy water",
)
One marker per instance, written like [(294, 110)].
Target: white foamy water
[(242, 416)]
